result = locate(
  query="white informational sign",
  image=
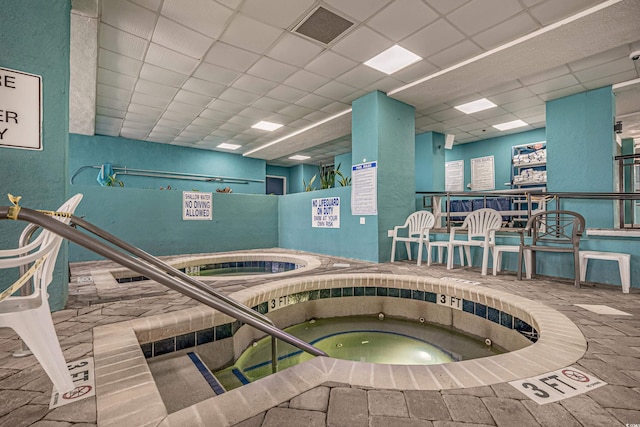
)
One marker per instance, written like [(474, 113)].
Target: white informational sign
[(197, 206), (82, 376), (449, 301), (454, 176), (325, 213), (364, 189), (557, 385), (20, 110), (482, 174)]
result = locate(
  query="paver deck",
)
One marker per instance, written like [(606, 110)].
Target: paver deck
[(613, 355)]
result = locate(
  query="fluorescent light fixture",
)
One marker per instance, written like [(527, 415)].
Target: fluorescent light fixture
[(227, 146), (393, 59), (267, 126), (475, 106), (510, 125), (299, 157)]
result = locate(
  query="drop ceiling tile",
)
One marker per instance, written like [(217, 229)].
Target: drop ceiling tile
[(330, 64), (545, 75), (269, 104), (223, 133), (358, 9), (162, 75), (181, 39), (294, 50), (131, 118), (455, 54), (386, 84), (447, 114), (465, 119), (552, 11), (121, 42), (313, 101), (149, 4), (193, 98), (244, 122), (119, 63), (432, 39), (271, 69), (214, 115), (185, 110), (112, 78), (166, 122), (600, 58), (296, 111), (101, 101), (109, 112), (316, 116), (160, 138), (128, 17), (210, 124), (171, 60), (361, 76), (238, 96), (254, 113), (253, 84), (286, 93), (216, 74), (353, 96), (336, 107), (195, 131), (553, 84), (155, 89), (111, 122), (232, 127), (145, 110), (562, 92), (522, 104), (597, 72), (612, 79), (250, 34), (362, 44), (279, 13), (112, 92), (535, 111), (203, 87), (506, 31), (446, 6), (226, 106), (415, 71), (334, 90), (478, 15), (230, 57), (133, 134), (400, 19), (305, 80), (161, 130), (299, 124), (512, 96), (205, 16)]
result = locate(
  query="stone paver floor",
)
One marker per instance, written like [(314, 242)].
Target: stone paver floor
[(613, 355)]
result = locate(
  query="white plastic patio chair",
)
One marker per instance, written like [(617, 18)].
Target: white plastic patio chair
[(418, 224), (480, 225), (30, 316)]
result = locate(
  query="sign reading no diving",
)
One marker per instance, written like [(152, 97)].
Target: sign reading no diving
[(557, 385), (20, 110)]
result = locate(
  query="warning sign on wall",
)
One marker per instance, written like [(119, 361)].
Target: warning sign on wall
[(20, 110), (557, 385)]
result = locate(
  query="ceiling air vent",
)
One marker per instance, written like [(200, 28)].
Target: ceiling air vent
[(323, 25)]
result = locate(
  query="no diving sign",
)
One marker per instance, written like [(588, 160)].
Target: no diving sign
[(82, 376), (557, 385)]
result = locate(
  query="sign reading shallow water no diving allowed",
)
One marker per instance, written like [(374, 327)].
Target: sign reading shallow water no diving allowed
[(197, 206)]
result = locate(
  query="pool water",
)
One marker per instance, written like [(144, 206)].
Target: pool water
[(241, 268), (362, 339)]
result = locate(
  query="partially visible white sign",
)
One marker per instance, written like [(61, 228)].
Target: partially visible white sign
[(364, 189), (197, 206), (557, 385), (482, 174), (20, 110), (81, 373), (454, 176), (325, 213)]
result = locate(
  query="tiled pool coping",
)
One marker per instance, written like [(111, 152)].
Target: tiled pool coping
[(127, 394)]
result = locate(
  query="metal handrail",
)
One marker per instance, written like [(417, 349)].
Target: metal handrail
[(197, 292)]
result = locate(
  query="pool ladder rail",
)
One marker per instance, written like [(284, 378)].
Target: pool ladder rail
[(156, 269)]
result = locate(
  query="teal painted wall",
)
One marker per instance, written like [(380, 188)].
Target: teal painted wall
[(351, 240), (96, 150), (152, 220), (280, 171), (34, 38), (580, 150), (302, 173), (429, 164)]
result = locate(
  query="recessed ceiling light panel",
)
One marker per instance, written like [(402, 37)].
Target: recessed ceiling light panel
[(510, 125), (227, 146), (393, 59), (267, 126), (299, 157), (475, 106)]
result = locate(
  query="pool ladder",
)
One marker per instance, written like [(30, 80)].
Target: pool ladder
[(156, 269)]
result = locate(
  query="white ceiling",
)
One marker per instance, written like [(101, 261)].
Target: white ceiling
[(198, 73)]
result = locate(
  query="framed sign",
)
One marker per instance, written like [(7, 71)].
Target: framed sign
[(20, 110)]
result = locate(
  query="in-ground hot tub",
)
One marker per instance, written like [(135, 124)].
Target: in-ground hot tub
[(540, 339)]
